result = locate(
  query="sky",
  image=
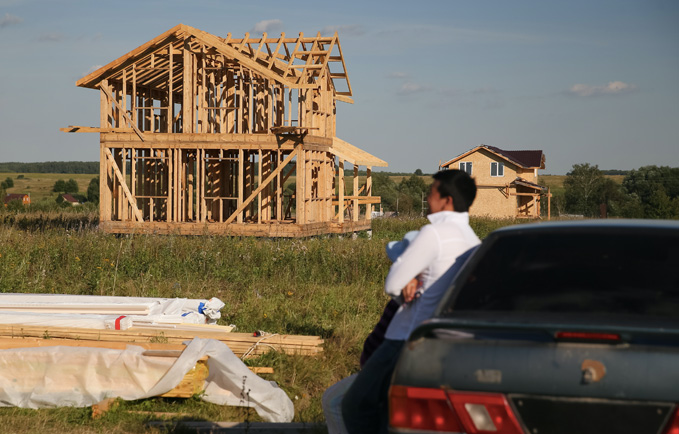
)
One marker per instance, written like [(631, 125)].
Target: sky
[(593, 81)]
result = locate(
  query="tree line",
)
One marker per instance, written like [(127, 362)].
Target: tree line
[(650, 192), (71, 167)]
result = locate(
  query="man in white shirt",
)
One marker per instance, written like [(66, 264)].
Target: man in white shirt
[(427, 258)]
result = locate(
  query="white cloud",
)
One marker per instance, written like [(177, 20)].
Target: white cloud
[(612, 88), (268, 26), (345, 30), (9, 20)]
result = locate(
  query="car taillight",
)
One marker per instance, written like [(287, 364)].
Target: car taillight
[(450, 411), (673, 425), (421, 408), (587, 336)]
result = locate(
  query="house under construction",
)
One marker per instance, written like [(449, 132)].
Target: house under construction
[(207, 135)]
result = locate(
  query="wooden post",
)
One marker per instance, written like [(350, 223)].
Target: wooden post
[(170, 90), (124, 209), (241, 181), (279, 189), (340, 191), (259, 182), (355, 194), (299, 187), (368, 192), (188, 87), (133, 174)]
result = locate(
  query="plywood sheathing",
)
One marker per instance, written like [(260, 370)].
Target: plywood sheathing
[(514, 195)]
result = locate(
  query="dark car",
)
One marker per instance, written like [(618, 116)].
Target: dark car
[(566, 327)]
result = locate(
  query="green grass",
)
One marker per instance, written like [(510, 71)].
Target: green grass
[(39, 185), (326, 286)]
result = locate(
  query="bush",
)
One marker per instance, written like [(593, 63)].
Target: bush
[(93, 190), (61, 186)]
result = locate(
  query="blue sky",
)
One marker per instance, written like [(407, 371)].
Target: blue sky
[(585, 81)]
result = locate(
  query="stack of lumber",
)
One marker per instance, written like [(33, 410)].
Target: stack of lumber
[(107, 312), (242, 344)]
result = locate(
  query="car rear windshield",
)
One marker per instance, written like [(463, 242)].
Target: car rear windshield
[(585, 273)]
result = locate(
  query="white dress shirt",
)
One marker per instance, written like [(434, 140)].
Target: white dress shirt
[(429, 255)]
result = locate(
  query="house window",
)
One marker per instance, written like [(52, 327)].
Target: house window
[(497, 169), (466, 167)]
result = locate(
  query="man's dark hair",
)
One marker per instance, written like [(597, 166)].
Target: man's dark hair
[(458, 185)]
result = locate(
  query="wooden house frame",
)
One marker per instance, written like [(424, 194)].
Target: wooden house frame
[(199, 135), (506, 181)]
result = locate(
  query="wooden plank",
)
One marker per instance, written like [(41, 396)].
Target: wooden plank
[(91, 79), (126, 191), (125, 115), (368, 192), (340, 191), (188, 89), (242, 58), (241, 185), (79, 129), (170, 91), (266, 182), (355, 209)]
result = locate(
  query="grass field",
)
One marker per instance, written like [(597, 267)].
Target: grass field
[(323, 286), (39, 185)]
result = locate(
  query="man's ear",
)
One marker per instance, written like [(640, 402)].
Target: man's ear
[(449, 202)]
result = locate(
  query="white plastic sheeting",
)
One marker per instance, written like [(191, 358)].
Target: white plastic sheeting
[(54, 310), (80, 377), (119, 305)]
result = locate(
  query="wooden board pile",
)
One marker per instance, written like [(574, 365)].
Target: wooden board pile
[(135, 320)]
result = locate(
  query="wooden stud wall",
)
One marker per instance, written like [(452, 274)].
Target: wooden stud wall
[(184, 147)]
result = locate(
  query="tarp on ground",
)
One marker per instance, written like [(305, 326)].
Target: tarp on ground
[(50, 377)]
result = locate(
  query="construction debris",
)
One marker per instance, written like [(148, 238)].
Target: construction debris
[(69, 350), (54, 376)]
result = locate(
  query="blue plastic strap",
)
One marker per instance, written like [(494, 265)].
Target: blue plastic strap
[(201, 305)]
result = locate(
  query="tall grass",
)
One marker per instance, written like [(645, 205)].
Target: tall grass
[(327, 286)]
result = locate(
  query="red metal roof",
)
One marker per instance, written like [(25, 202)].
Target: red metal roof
[(524, 158), (14, 196)]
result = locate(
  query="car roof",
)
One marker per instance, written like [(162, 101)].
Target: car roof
[(593, 224)]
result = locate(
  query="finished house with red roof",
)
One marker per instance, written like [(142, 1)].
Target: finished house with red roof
[(25, 199), (507, 181)]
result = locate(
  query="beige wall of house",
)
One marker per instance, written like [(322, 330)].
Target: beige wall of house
[(492, 198)]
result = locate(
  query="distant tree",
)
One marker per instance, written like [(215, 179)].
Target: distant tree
[(411, 191), (9, 182), (52, 167), (418, 172), (59, 186), (583, 186), (661, 206), (386, 188), (20, 176), (655, 189), (71, 186), (93, 190)]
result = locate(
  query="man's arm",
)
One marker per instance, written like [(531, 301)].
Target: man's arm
[(419, 254)]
